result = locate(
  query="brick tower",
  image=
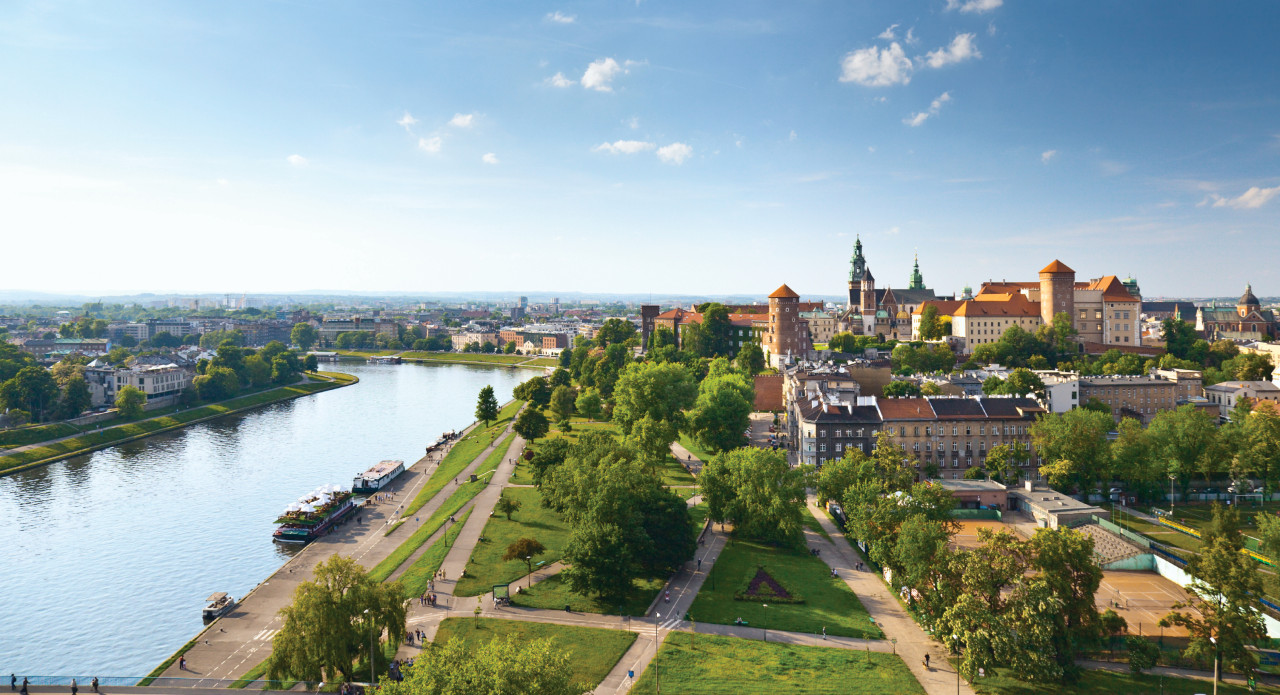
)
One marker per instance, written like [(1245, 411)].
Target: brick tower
[(1057, 291), (783, 336)]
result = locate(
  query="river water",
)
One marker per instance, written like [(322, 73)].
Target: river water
[(106, 558)]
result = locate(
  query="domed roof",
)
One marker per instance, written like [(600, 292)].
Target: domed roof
[(1247, 299)]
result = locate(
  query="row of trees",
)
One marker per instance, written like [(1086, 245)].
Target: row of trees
[(234, 368)]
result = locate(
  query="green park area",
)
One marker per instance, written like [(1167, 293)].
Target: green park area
[(486, 567), (592, 651), (554, 593), (694, 664), (415, 579), (798, 595), (1109, 682), (475, 357), (461, 454)]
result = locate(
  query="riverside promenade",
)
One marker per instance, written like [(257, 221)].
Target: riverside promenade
[(234, 644)]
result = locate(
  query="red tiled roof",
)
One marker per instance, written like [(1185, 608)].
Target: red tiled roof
[(1057, 266), (999, 305), (905, 409), (945, 307), (784, 292)]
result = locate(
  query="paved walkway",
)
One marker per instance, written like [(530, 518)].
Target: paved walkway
[(913, 643)]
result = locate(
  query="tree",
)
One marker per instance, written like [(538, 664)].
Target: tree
[(652, 441), (661, 391), (501, 666), (1079, 436), (1097, 406), (510, 347), (999, 462), (1022, 382), (165, 339), (757, 492), (717, 331), (536, 390), (589, 404), (562, 402), (75, 397), (66, 370), (930, 326), (836, 476), (256, 371), (487, 406), (903, 388), (560, 377), (330, 622), (1187, 439), (532, 424), (1224, 587), (615, 332), (1179, 337), (524, 549), (34, 390), (216, 384), (1064, 562), (930, 388), (130, 402), (1143, 653), (750, 358), (310, 363), (507, 506), (722, 412)]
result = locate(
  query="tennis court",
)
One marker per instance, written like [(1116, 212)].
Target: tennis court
[(1141, 598), (967, 536)]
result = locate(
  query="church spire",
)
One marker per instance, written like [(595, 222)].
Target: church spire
[(917, 281), (858, 264)]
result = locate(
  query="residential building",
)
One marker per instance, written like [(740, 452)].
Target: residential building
[(824, 427), (331, 327), (955, 433), (1137, 397), (1188, 383), (152, 378), (983, 319), (822, 325), (1227, 394), (461, 340)]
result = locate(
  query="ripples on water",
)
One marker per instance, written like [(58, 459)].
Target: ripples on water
[(107, 557)]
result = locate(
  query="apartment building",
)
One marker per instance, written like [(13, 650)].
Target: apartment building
[(1138, 397)]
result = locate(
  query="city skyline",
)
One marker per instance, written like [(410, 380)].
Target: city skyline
[(636, 147)]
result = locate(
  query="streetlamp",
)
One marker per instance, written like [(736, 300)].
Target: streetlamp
[(1214, 640), (955, 639), (1171, 477), (529, 586), (657, 672), (372, 679)]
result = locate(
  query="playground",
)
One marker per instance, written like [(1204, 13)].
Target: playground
[(1142, 599)]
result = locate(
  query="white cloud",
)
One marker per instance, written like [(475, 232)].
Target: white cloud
[(991, 28), (625, 147), (893, 230), (911, 37), (462, 120), (490, 158), (793, 136), (633, 122), (974, 6), (407, 120), (960, 50), (600, 74), (675, 153), (559, 80), (871, 148), (561, 18), (1048, 155), (297, 160), (935, 106), (876, 67), (1249, 200), (888, 34), (431, 145)]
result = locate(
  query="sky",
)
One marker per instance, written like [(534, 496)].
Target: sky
[(641, 147)]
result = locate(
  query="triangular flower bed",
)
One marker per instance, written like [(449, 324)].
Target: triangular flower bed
[(764, 588)]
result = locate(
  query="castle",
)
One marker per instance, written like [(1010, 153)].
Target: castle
[(887, 311)]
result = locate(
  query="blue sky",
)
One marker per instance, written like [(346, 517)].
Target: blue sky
[(709, 147)]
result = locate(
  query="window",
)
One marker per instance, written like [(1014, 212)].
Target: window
[(928, 431), (915, 431), (839, 447), (902, 431), (822, 433), (955, 431), (859, 431), (982, 429), (822, 447), (916, 446)]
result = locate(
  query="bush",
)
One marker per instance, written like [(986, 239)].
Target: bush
[(1143, 653)]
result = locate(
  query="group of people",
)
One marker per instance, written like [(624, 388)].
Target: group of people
[(75, 687), (428, 599)]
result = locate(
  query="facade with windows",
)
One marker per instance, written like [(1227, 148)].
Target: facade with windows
[(956, 433)]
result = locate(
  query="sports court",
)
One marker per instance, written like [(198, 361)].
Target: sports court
[(1143, 597), (967, 536)]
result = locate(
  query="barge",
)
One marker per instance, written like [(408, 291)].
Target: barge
[(314, 515), (377, 477)]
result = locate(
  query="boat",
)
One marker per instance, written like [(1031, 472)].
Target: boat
[(314, 514), (219, 605), (377, 477)]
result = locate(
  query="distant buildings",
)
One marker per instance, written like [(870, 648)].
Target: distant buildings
[(886, 312), (1247, 321)]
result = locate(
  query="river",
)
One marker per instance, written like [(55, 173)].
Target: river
[(107, 557)]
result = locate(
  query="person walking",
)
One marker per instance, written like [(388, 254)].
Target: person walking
[(94, 684), (926, 660), (824, 632), (24, 686), (182, 663), (73, 686), (13, 681)]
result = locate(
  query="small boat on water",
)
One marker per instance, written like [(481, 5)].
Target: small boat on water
[(314, 514), (219, 605), (377, 477)]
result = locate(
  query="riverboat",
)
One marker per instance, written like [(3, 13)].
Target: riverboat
[(377, 477), (314, 515), (219, 605)]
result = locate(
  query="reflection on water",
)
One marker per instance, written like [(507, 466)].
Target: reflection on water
[(107, 557)]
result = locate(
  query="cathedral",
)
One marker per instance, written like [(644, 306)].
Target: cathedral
[(886, 311), (1247, 321)]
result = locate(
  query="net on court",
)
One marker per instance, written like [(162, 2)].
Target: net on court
[(1142, 599)]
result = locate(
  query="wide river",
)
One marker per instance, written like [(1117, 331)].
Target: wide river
[(105, 559)]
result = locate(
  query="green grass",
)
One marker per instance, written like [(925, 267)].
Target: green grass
[(451, 505), (164, 665), (1106, 683), (425, 567), (711, 664), (554, 593), (253, 674), (461, 454), (23, 436), (476, 357), (543, 362), (486, 568), (698, 515), (828, 603), (674, 473), (523, 474), (592, 651), (365, 353), (155, 425), (698, 452), (1160, 534), (811, 523)]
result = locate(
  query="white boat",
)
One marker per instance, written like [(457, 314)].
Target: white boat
[(219, 605), (377, 477)]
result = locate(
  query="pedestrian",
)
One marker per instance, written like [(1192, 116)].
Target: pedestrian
[(824, 632), (182, 663), (926, 659), (24, 686), (94, 684), (13, 681), (699, 564), (668, 596), (74, 688)]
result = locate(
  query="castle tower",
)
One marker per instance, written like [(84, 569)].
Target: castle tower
[(1248, 302), (783, 336), (1057, 291), (917, 280), (857, 266), (867, 285)]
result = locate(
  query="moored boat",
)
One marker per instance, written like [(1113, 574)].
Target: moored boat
[(314, 515), (377, 477), (218, 605)]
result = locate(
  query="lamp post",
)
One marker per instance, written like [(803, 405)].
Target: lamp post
[(372, 679), (528, 559), (955, 639), (1171, 477), (657, 672), (1214, 640)]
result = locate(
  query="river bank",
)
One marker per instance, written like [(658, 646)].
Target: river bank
[(470, 358), (129, 432)]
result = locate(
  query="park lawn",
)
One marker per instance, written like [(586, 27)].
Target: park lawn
[(154, 425), (698, 517), (523, 474), (543, 362), (477, 357), (366, 353), (22, 436), (828, 602), (461, 454), (811, 522), (423, 569), (451, 505), (685, 492), (592, 651), (674, 473), (1108, 682), (711, 664), (532, 520), (554, 593), (698, 452)]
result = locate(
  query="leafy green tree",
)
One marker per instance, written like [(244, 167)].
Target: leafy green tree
[(310, 363), (902, 388), (1187, 439), (722, 412), (652, 441), (1223, 589), (716, 331), (1063, 560), (836, 476), (507, 506), (532, 424), (757, 492), (1023, 382), (510, 347), (165, 339), (589, 404), (750, 358), (660, 391), (1097, 406), (562, 402), (216, 384), (930, 326), (67, 369), (331, 620), (130, 402), (565, 359), (536, 390), (75, 397), (1079, 436), (256, 371), (1143, 653), (1179, 337), (615, 332), (285, 368), (488, 348), (999, 462), (12, 360), (930, 388), (560, 377), (524, 549), (487, 406), (33, 390)]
